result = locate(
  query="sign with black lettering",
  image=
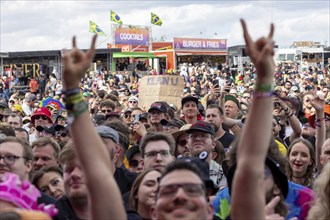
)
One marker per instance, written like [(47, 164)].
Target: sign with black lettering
[(160, 88)]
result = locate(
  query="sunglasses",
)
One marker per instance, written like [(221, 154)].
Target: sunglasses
[(106, 111), (37, 117), (62, 134), (133, 102), (182, 142), (127, 115), (12, 101), (133, 163)]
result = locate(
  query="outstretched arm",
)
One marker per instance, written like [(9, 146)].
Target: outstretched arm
[(91, 151), (248, 198)]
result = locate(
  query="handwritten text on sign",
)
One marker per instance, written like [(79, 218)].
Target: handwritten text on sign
[(160, 88)]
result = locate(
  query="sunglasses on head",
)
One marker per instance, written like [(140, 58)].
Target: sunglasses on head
[(37, 117), (106, 111)]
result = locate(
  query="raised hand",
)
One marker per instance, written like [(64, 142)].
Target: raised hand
[(261, 52), (76, 62), (317, 103)]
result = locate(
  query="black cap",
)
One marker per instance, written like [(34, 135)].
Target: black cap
[(202, 126), (175, 122), (189, 98), (58, 127), (49, 129), (158, 106), (144, 115), (203, 166), (132, 151), (280, 178)]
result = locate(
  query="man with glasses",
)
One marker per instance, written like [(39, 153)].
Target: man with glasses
[(157, 150), (62, 135), (106, 107), (182, 193), (201, 137), (133, 102)]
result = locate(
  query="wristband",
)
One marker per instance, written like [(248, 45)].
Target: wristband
[(74, 99), (257, 94), (263, 87), (316, 123), (71, 91), (291, 114)]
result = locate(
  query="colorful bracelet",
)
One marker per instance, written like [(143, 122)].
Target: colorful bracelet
[(257, 94), (263, 87), (317, 122)]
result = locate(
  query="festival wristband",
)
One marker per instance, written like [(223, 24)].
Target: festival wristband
[(74, 99), (257, 94), (263, 87), (317, 122), (70, 92)]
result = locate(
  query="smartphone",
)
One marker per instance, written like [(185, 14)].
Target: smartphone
[(136, 118)]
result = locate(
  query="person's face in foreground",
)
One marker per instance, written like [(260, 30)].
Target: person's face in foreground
[(175, 202)]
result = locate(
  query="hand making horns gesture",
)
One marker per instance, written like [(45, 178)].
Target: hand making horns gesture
[(261, 52)]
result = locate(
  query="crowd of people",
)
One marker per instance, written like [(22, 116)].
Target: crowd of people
[(250, 144)]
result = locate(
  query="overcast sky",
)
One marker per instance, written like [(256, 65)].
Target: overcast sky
[(49, 25)]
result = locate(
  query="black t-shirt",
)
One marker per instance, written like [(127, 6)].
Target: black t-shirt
[(226, 139), (124, 179)]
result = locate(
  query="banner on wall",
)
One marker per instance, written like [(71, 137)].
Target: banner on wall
[(132, 36), (160, 88), (199, 44)]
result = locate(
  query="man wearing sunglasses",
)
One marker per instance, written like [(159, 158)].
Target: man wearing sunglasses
[(41, 117), (62, 135), (133, 102)]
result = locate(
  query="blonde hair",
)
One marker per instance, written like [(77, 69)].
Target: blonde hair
[(321, 207)]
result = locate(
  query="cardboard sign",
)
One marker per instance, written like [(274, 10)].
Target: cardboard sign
[(160, 88)]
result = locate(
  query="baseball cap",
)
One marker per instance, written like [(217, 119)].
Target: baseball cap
[(31, 97), (280, 178), (202, 126), (144, 115), (133, 98), (41, 111), (58, 127), (132, 151), (107, 132), (189, 98), (181, 131), (175, 122), (158, 106), (231, 98), (18, 108), (203, 166), (48, 129)]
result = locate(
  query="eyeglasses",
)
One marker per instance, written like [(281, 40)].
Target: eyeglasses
[(62, 134), (203, 136), (10, 159), (182, 142), (106, 111), (133, 102), (37, 117), (190, 189), (133, 163), (153, 154), (127, 115)]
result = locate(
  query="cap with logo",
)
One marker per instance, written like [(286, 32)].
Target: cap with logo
[(158, 106), (202, 126)]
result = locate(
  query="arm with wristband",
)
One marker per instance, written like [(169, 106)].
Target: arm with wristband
[(248, 199), (91, 151)]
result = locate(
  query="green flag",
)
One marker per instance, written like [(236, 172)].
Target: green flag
[(94, 28), (114, 17), (155, 19)]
